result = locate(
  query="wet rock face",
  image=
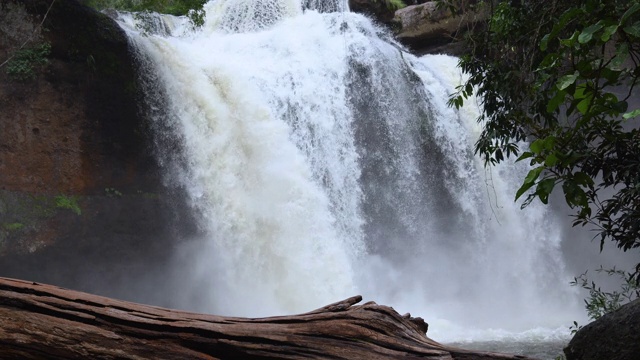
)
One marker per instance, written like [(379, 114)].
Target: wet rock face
[(82, 201), (73, 126), (615, 336)]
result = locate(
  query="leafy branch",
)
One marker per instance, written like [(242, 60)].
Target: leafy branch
[(550, 74), (602, 302)]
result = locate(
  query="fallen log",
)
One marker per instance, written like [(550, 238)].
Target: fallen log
[(40, 321)]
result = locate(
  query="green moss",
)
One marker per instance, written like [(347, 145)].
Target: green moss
[(69, 203), (25, 63), (394, 4), (37, 206), (13, 226), (23, 211), (112, 192), (172, 7)]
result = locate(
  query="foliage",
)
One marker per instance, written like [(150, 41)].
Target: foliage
[(112, 192), (13, 226), (394, 4), (196, 17), (601, 302), (172, 7), (560, 74), (68, 202), (26, 61), (461, 6), (190, 8)]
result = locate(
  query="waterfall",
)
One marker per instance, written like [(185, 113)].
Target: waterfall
[(322, 161)]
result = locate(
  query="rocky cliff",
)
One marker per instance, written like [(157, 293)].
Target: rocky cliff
[(82, 203)]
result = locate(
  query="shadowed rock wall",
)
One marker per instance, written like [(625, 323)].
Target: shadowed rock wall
[(82, 202)]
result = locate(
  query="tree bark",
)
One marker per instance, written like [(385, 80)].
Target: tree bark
[(40, 321)]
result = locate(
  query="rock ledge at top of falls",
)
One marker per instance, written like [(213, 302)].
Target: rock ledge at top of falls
[(422, 26), (427, 28), (614, 336)]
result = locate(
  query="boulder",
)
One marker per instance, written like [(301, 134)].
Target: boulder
[(425, 26), (614, 336)]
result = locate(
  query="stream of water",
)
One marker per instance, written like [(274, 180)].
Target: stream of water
[(322, 161)]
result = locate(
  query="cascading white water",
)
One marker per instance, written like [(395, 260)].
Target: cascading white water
[(324, 162)]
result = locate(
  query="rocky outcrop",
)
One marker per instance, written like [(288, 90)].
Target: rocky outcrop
[(82, 203), (379, 10), (424, 27), (614, 336), (427, 27)]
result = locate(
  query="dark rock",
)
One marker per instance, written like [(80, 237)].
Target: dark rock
[(82, 200), (615, 336), (75, 127), (375, 9)]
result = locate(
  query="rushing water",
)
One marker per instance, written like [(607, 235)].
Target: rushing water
[(323, 161)]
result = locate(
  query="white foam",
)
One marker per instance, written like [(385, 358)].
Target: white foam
[(268, 100)]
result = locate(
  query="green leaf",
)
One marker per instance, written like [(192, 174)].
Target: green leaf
[(574, 195), (566, 81), (587, 33), (544, 42), (551, 160), (583, 105), (549, 142), (532, 176), (622, 53), (537, 146), (468, 90), (608, 31), (525, 155), (569, 42), (544, 189), (629, 12), (566, 17), (526, 186), (633, 30), (580, 91), (583, 179), (611, 75), (631, 114), (619, 106), (555, 102)]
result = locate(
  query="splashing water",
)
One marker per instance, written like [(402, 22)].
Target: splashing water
[(323, 162)]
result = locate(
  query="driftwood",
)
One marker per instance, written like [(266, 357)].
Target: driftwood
[(46, 322)]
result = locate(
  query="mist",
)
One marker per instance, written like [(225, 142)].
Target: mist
[(322, 161)]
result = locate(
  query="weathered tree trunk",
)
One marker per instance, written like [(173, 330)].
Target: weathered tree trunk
[(46, 322)]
